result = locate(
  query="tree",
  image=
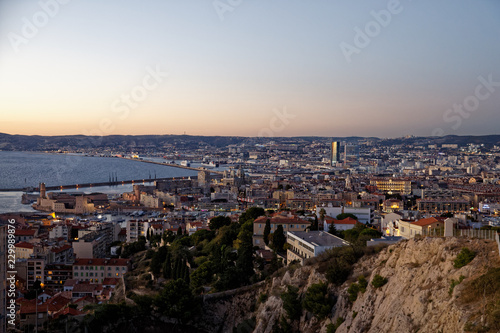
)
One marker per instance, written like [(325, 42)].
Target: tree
[(218, 222), (464, 257), (202, 275), (322, 214), (317, 300), (251, 214), (158, 259), (346, 215), (179, 231), (378, 281), (167, 267), (267, 231), (244, 244), (279, 239), (291, 302), (332, 229), (177, 301)]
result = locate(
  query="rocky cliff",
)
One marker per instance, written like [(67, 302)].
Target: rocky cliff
[(424, 293)]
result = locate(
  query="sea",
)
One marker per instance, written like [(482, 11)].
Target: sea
[(19, 170)]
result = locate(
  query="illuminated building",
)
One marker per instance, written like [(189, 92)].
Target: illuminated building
[(392, 185), (335, 153)]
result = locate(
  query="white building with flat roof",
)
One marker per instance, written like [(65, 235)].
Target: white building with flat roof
[(307, 244)]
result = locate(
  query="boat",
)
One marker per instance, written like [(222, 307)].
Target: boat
[(210, 164), (186, 163)]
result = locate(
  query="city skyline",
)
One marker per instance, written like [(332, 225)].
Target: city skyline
[(240, 68)]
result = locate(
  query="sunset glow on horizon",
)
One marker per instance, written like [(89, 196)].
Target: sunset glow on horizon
[(280, 68)]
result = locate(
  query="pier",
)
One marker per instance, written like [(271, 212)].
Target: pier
[(114, 183)]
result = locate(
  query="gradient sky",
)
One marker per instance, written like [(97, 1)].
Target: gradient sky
[(229, 76)]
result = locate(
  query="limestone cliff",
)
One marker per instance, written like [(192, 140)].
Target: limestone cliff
[(418, 297)]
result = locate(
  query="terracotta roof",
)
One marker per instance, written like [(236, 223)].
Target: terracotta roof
[(279, 219), (28, 307), (25, 232), (100, 262), (61, 248), (56, 303), (347, 220), (68, 311), (426, 221), (110, 281), (84, 288), (25, 245), (70, 282)]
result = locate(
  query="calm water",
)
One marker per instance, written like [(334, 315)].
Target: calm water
[(24, 169)]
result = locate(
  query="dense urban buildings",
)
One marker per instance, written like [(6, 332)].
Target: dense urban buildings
[(311, 196)]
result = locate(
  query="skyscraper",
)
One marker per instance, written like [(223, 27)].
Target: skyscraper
[(335, 154)]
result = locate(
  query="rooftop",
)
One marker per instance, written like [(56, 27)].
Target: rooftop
[(318, 238)]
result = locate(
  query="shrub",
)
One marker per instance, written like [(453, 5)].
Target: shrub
[(262, 298), (331, 328), (378, 281), (291, 302), (353, 292), (362, 283), (463, 258), (317, 300), (454, 283)]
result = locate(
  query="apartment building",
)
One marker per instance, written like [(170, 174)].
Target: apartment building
[(288, 221), (309, 244), (410, 228), (96, 270), (392, 185), (444, 205), (92, 245)]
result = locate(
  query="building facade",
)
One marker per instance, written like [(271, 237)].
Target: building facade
[(96, 270), (308, 244)]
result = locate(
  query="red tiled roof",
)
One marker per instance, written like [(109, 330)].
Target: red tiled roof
[(100, 262), (68, 311), (56, 303), (28, 307), (85, 288), (25, 245), (347, 220), (110, 281), (427, 221), (61, 248), (25, 232)]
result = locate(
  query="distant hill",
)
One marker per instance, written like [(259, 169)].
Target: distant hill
[(145, 142)]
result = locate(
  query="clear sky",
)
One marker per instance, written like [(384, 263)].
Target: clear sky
[(250, 67)]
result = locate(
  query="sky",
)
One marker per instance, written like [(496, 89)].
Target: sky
[(250, 67)]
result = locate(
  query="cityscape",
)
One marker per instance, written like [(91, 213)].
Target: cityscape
[(237, 166)]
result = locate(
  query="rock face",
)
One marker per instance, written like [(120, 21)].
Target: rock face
[(417, 294), (416, 297)]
